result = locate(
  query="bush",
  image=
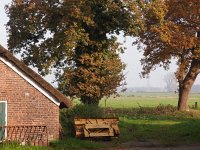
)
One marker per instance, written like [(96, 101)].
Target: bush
[(82, 111), (159, 110), (85, 111), (165, 109)]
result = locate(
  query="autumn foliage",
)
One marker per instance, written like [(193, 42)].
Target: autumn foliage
[(77, 37), (171, 32)]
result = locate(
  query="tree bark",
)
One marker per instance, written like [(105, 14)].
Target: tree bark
[(186, 85)]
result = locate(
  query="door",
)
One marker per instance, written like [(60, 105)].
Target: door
[(2, 118)]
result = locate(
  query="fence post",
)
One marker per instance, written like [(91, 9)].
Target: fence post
[(195, 105)]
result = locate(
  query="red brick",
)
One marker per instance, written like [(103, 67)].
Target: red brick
[(26, 105)]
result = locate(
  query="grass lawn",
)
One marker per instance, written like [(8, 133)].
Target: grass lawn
[(167, 130)]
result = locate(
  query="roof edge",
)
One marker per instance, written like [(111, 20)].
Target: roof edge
[(33, 78), (29, 80)]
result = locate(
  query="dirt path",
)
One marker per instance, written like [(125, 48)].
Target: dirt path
[(160, 148), (153, 146)]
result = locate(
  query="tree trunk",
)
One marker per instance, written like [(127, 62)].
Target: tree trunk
[(186, 85), (183, 97), (89, 101)]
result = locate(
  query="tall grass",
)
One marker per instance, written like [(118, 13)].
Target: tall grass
[(19, 147)]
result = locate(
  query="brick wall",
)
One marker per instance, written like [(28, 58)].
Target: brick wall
[(26, 105)]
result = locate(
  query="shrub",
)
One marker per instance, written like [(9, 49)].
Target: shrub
[(159, 110), (83, 111), (165, 109)]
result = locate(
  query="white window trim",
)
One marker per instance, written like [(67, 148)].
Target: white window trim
[(29, 80), (6, 117)]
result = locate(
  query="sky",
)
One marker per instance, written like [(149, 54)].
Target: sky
[(131, 58)]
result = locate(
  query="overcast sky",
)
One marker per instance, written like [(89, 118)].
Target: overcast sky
[(131, 57)]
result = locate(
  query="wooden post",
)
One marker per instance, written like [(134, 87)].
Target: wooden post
[(195, 105)]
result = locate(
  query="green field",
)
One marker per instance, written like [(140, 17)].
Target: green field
[(142, 118), (135, 100), (163, 130)]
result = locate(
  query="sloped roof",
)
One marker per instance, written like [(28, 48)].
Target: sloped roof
[(63, 100)]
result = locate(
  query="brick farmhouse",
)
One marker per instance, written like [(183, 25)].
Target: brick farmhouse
[(27, 98)]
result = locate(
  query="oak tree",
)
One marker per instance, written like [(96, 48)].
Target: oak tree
[(171, 30), (77, 37)]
